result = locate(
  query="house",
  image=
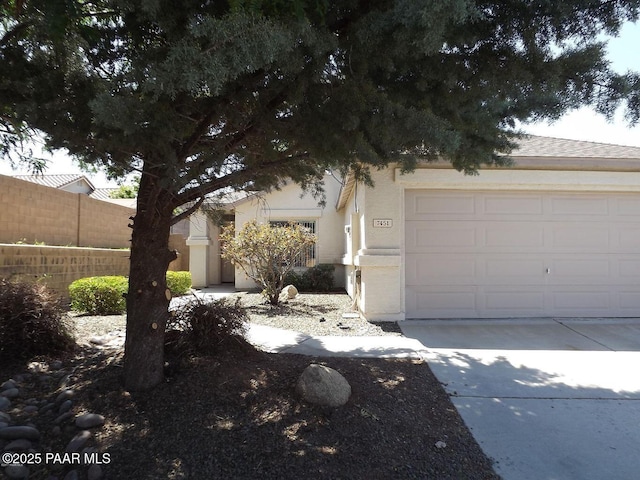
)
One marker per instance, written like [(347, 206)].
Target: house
[(78, 183), (555, 235), (74, 183)]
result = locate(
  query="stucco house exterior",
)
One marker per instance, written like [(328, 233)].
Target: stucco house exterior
[(555, 235)]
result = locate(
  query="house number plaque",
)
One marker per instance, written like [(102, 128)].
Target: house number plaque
[(382, 223)]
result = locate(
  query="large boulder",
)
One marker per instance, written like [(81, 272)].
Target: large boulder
[(323, 386)]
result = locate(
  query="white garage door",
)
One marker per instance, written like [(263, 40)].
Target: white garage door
[(515, 254)]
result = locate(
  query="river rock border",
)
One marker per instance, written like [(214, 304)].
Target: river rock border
[(30, 426)]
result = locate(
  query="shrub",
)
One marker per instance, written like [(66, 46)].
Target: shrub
[(266, 253), (178, 282), (315, 279), (32, 321), (99, 295), (203, 327)]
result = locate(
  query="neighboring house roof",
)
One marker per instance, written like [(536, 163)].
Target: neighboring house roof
[(102, 193), (56, 181)]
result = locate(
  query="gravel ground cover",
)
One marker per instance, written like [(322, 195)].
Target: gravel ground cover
[(318, 314), (236, 415)]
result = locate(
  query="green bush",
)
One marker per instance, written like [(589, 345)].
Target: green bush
[(178, 282), (32, 322), (315, 279), (99, 295), (204, 327)]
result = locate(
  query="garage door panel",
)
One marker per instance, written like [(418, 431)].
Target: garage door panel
[(428, 204), (573, 300), (628, 239), (430, 237), (578, 237), (628, 207), (628, 302), (576, 205), (526, 205), (509, 254), (584, 270), (515, 236), (515, 301), (436, 270), (629, 269), (505, 269), (439, 303)]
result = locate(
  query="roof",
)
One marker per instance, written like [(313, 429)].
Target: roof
[(231, 199), (541, 147), (102, 193), (55, 181), (532, 151)]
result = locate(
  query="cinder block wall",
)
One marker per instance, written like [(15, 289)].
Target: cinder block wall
[(34, 213), (57, 267)]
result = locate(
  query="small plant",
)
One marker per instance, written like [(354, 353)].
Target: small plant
[(315, 279), (99, 295), (32, 321), (204, 327), (266, 253), (178, 282)]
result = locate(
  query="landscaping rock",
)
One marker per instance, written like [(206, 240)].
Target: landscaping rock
[(5, 403), (16, 471), (65, 407), (10, 393), (64, 396), (63, 417), (55, 365), (291, 291), (18, 445), (323, 386), (94, 472), (72, 475), (79, 441), (30, 409), (8, 385), (47, 408), (89, 420), (15, 433)]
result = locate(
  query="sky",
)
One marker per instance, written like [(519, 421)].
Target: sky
[(583, 124)]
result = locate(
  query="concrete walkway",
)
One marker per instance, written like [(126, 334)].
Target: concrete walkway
[(545, 399)]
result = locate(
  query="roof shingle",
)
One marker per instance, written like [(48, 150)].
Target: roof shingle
[(534, 146)]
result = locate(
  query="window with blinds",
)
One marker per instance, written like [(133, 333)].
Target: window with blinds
[(306, 259)]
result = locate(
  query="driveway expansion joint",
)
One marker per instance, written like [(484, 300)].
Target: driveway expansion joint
[(559, 322)]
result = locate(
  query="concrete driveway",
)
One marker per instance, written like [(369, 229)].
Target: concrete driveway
[(545, 398)]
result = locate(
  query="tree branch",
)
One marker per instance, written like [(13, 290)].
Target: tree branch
[(245, 174), (188, 211)]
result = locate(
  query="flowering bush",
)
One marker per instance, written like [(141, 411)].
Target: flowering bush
[(266, 253)]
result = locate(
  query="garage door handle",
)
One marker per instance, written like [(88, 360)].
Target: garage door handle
[(548, 270)]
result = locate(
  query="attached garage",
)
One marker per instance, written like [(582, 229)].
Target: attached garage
[(498, 253)]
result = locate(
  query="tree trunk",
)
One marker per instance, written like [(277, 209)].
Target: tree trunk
[(148, 297)]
